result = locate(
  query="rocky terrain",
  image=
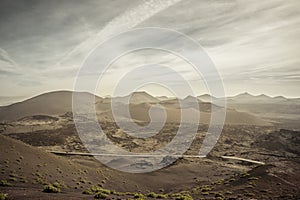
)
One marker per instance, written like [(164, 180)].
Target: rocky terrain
[(30, 169)]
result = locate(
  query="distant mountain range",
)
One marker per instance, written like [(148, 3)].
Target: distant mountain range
[(246, 97), (60, 102), (278, 109)]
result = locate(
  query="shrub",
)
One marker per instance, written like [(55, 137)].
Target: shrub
[(152, 195), (206, 188), (94, 188), (13, 179), (231, 180), (104, 191), (184, 197), (249, 194), (60, 184), (180, 196), (218, 182), (250, 183), (100, 195), (252, 178), (99, 189), (23, 180), (5, 183), (3, 196), (228, 192), (161, 196), (244, 175), (51, 189), (138, 196), (87, 191), (219, 195)]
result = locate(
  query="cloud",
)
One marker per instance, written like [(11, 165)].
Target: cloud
[(124, 22), (247, 40), (7, 65), (29, 83)]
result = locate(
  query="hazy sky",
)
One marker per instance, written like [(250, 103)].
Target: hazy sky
[(254, 44)]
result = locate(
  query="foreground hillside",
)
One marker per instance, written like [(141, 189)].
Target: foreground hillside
[(25, 170)]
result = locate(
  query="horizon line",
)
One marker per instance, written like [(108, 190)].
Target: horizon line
[(149, 93)]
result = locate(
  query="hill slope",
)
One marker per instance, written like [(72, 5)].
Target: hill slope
[(52, 103), (60, 102)]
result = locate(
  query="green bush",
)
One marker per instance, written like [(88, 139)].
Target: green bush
[(162, 196), (5, 183), (13, 179), (184, 197), (228, 192), (51, 189), (180, 196), (205, 188), (96, 189), (87, 191), (138, 196), (3, 196), (219, 195), (59, 184), (104, 191), (244, 175), (100, 195), (152, 195)]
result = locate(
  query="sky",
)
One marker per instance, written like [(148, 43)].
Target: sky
[(255, 45)]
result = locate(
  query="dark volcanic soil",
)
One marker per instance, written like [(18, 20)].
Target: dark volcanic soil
[(28, 167)]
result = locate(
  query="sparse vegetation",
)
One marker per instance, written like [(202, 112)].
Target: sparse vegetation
[(59, 170), (99, 192), (250, 183), (218, 182), (51, 189), (101, 195), (152, 195), (249, 194), (253, 178), (180, 196), (231, 180), (60, 184), (13, 179), (3, 196), (211, 182), (87, 191), (138, 196), (219, 195), (13, 175), (205, 188), (162, 196), (244, 175), (82, 180), (228, 192), (5, 183), (23, 180)]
